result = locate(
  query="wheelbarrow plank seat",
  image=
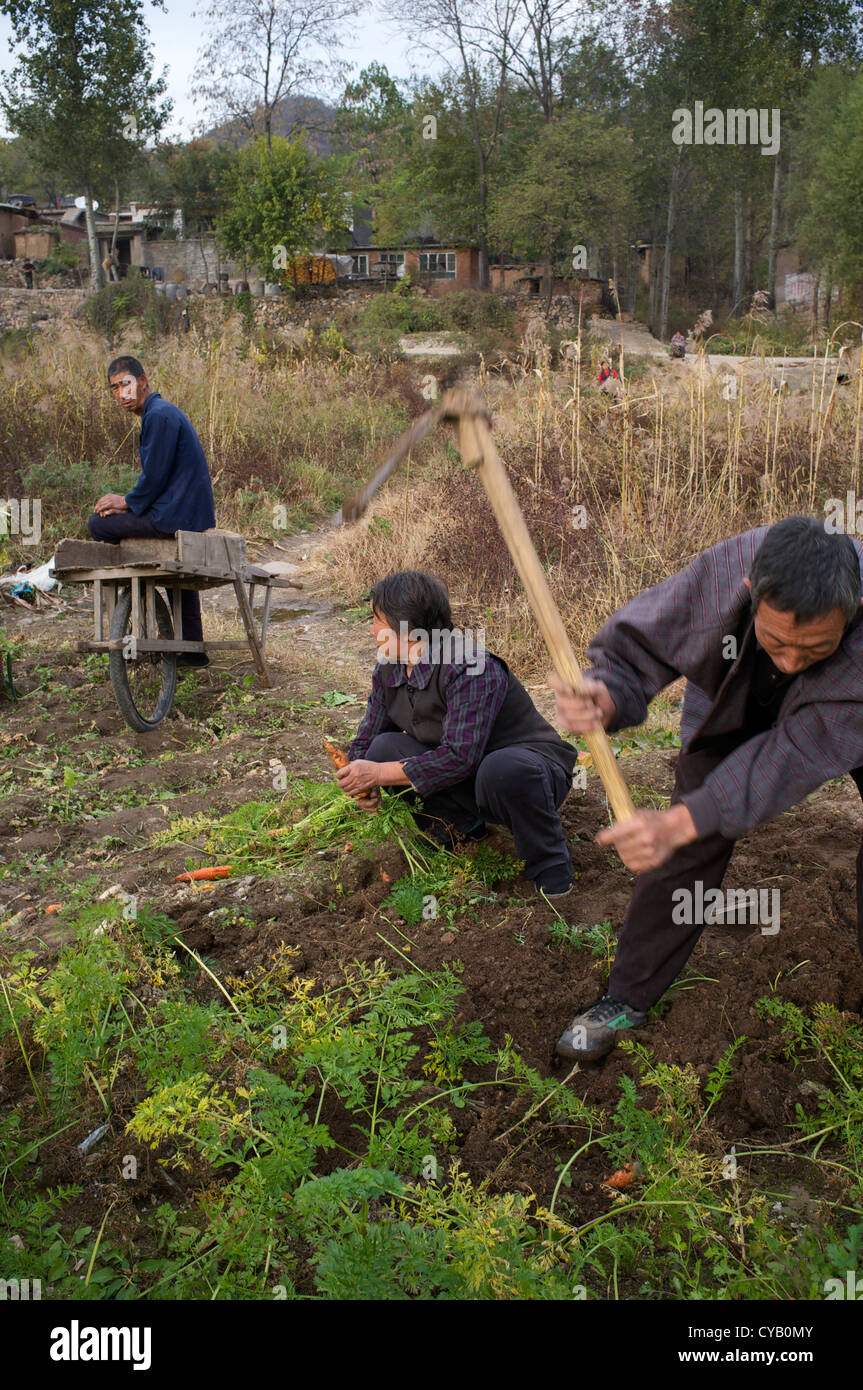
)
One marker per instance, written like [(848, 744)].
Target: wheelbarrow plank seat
[(217, 551)]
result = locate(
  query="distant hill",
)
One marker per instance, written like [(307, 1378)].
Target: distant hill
[(292, 115)]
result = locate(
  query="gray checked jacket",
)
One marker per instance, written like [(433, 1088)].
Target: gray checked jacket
[(678, 628)]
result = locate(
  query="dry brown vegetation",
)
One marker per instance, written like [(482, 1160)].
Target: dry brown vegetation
[(670, 467), (659, 478)]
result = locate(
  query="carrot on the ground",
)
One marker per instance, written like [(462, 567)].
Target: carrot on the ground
[(195, 875), (624, 1176)]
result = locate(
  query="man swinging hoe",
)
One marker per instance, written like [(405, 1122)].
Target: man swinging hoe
[(767, 628)]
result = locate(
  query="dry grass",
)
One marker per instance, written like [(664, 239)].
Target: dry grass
[(661, 473), (289, 434), (660, 477)]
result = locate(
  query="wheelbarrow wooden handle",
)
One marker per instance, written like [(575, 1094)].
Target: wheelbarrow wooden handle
[(478, 450)]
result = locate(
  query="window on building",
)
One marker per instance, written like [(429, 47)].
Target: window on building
[(392, 257), (359, 265), (441, 263)]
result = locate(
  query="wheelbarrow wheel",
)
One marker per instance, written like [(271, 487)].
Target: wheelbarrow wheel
[(144, 685)]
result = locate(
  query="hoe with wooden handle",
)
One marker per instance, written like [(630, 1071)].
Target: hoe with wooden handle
[(478, 451)]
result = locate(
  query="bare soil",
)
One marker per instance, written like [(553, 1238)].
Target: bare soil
[(518, 980)]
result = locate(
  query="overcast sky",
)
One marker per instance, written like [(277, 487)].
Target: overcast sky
[(176, 39)]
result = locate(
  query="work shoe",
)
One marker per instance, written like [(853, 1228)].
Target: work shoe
[(557, 882), (595, 1032), (194, 659)]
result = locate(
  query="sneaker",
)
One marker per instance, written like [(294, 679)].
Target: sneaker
[(557, 882), (595, 1032)]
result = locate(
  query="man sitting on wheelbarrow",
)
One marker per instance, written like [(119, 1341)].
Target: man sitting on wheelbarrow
[(449, 721), (174, 492)]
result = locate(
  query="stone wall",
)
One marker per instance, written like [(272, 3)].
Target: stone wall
[(189, 257), (20, 308)]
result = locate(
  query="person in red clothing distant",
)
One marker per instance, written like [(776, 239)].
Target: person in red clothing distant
[(606, 371)]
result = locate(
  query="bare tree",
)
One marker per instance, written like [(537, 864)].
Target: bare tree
[(461, 33), (534, 39), (258, 52)]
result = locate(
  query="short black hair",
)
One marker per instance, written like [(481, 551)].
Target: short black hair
[(126, 364), (803, 569), (415, 598)]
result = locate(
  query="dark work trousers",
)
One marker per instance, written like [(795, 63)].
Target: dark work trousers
[(513, 786), (125, 525), (652, 950)]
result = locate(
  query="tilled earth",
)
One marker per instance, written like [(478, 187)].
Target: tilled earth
[(57, 841)]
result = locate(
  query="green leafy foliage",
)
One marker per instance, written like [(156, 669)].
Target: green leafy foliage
[(264, 836), (281, 195), (834, 1039), (449, 884)]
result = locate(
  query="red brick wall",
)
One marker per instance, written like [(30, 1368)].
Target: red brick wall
[(466, 274)]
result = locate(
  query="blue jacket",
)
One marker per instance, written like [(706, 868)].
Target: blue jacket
[(174, 490)]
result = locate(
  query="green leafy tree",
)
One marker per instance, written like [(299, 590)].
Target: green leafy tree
[(19, 173), (83, 92), (284, 203), (473, 40), (573, 187), (828, 195), (372, 120), (190, 180)]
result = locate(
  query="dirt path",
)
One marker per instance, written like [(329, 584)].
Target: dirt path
[(783, 372)]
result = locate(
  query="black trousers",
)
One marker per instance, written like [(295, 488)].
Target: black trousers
[(124, 525), (514, 787), (652, 949)]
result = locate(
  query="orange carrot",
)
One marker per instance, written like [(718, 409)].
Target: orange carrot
[(338, 755), (195, 875), (340, 759), (624, 1176)]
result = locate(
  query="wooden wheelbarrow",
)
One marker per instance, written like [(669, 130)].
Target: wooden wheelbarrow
[(141, 630)]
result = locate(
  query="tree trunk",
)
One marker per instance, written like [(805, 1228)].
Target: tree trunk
[(712, 260), (482, 262), (114, 275), (631, 277), (749, 251), (549, 265), (92, 241), (774, 233), (204, 259), (737, 286), (481, 230), (666, 258)]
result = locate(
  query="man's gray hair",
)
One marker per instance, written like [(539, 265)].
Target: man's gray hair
[(803, 569)]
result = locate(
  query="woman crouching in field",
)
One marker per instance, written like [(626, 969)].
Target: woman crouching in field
[(448, 719)]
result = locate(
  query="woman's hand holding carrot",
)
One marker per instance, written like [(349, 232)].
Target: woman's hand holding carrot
[(359, 777)]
